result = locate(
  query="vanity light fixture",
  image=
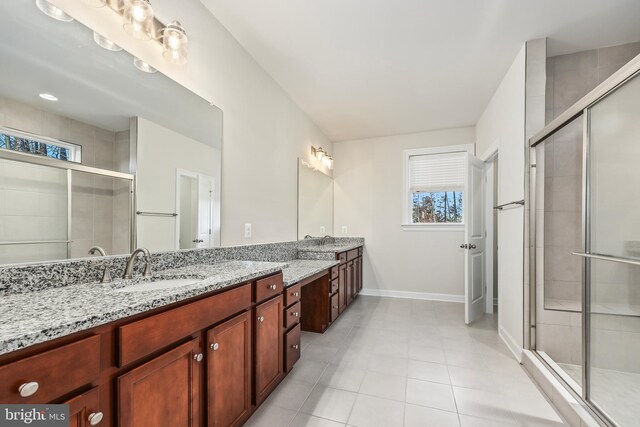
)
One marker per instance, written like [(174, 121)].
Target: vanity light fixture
[(53, 11), (174, 43), (143, 66), (104, 42), (137, 19), (48, 97), (322, 156)]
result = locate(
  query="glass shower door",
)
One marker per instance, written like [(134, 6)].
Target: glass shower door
[(612, 261)]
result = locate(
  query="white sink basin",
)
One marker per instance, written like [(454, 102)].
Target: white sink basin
[(158, 285)]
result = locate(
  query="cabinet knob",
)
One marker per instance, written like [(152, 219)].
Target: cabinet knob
[(295, 314), (295, 346), (94, 418), (198, 357), (28, 389), (260, 319), (296, 294), (214, 346), (335, 306), (273, 287)]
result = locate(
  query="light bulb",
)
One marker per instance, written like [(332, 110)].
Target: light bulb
[(137, 19), (174, 43)]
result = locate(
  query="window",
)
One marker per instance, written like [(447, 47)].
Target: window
[(39, 146), (434, 186)]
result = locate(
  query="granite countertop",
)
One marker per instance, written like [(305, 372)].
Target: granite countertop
[(299, 269), (330, 248), (34, 317)]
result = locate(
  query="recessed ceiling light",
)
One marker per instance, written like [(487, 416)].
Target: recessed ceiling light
[(143, 66), (48, 97), (53, 11), (104, 42)]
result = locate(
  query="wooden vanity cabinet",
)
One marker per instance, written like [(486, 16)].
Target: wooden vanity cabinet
[(342, 288), (229, 372), (350, 283), (268, 348), (84, 409), (164, 391)]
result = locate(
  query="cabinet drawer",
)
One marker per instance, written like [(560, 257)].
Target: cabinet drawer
[(334, 286), (342, 257), (148, 335), (334, 273), (292, 348), (56, 372), (335, 307), (352, 254), (292, 295), (292, 315), (268, 287)]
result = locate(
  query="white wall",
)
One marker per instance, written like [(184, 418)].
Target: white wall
[(158, 158), (264, 131), (368, 200), (503, 123)]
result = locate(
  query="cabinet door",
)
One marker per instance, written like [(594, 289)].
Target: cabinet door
[(84, 410), (164, 391), (342, 288), (358, 274), (268, 347), (350, 282), (229, 372)]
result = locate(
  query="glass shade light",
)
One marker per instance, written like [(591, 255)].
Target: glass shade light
[(105, 43), (53, 11), (174, 43), (95, 3), (143, 66), (137, 19)]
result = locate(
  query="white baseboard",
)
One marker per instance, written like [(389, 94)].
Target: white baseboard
[(511, 343), (412, 295)]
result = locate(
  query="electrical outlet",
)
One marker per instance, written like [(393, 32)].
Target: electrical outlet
[(322, 230), (247, 231), (344, 229)]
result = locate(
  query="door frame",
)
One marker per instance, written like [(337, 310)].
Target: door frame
[(489, 157), (215, 221)]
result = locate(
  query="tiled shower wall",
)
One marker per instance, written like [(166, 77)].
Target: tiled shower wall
[(569, 78), (94, 199)]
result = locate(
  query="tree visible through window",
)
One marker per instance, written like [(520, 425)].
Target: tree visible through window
[(39, 148), (436, 207)]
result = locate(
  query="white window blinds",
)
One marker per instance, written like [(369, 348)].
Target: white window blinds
[(436, 172)]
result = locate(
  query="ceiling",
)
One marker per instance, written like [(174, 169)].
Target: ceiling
[(94, 86), (367, 68)]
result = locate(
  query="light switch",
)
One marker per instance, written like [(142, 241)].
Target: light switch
[(247, 231), (322, 229), (344, 229)]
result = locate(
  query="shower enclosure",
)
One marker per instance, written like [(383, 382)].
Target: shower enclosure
[(585, 203), (52, 209)]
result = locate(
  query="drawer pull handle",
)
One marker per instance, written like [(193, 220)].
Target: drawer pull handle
[(28, 389), (296, 294), (198, 357), (260, 319), (215, 346), (273, 287), (95, 418), (335, 306), (295, 346), (295, 314)]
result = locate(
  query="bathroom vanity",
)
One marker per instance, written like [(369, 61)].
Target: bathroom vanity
[(192, 345)]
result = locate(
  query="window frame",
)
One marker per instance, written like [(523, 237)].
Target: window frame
[(75, 150), (407, 223)]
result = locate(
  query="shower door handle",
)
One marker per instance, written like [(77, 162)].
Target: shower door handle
[(464, 246)]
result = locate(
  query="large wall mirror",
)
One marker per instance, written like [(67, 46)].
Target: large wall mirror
[(315, 202), (96, 152)]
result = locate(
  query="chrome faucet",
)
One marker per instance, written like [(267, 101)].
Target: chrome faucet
[(128, 270), (106, 274), (325, 239)]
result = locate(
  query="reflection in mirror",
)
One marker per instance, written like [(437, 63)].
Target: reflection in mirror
[(315, 202), (78, 123)]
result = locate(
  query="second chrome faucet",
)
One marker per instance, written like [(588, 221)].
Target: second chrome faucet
[(128, 270)]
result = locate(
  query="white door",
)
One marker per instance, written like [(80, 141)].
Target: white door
[(205, 211), (474, 241)]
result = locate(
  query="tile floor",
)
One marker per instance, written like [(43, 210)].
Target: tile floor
[(396, 362)]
